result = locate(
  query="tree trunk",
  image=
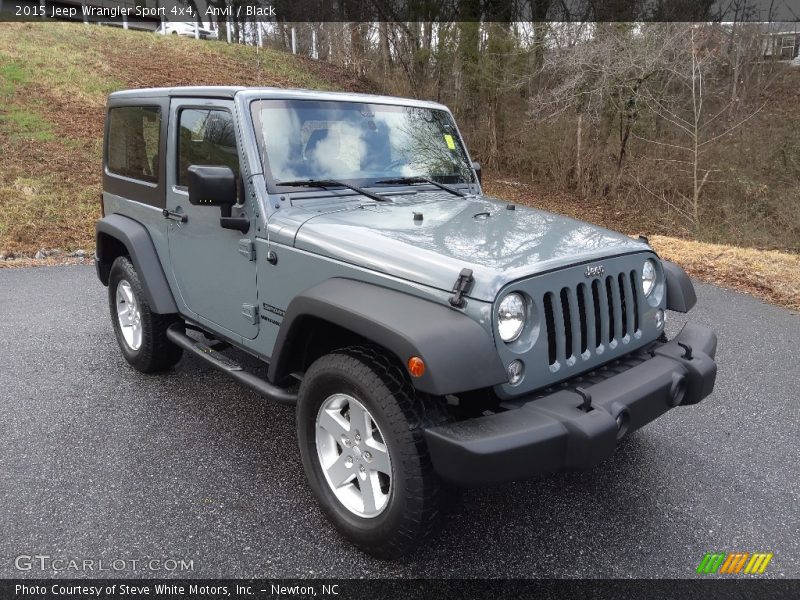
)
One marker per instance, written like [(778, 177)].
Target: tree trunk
[(578, 153), (385, 51)]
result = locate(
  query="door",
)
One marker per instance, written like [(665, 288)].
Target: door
[(214, 268)]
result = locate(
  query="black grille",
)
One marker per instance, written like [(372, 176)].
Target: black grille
[(580, 319)]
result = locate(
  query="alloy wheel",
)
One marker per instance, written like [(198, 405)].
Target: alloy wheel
[(353, 455), (129, 315)]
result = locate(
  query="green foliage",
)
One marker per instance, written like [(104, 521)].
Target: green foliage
[(59, 61), (20, 124), (12, 74)]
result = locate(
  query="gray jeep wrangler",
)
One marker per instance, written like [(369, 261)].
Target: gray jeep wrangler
[(429, 337)]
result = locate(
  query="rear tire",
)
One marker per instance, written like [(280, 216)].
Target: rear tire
[(400, 508), (141, 333)]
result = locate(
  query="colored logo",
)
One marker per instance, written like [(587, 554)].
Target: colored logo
[(734, 563)]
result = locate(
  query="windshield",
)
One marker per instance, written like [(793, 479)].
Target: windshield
[(303, 140)]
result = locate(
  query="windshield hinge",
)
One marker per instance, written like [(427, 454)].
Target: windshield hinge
[(462, 287)]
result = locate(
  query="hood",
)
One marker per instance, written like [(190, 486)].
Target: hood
[(478, 233)]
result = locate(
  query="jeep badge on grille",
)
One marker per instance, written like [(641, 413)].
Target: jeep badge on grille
[(594, 271)]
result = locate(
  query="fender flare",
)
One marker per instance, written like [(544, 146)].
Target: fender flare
[(139, 245), (680, 291), (459, 354)]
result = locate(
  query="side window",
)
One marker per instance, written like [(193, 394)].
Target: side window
[(134, 134), (206, 137)]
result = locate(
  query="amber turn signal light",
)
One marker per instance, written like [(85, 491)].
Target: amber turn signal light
[(416, 366)]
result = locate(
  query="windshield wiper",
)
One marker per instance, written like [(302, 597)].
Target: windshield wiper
[(325, 183), (420, 179)]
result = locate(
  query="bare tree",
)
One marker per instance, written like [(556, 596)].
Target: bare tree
[(696, 130)]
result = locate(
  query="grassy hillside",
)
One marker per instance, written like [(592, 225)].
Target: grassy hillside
[(54, 79)]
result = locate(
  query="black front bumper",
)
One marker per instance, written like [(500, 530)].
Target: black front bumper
[(554, 432)]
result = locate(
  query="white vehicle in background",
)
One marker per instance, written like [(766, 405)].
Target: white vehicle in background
[(190, 29)]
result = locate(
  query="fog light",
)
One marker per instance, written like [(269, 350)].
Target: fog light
[(677, 391), (659, 319), (516, 369)]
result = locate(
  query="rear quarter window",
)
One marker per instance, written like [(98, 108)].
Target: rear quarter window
[(134, 134)]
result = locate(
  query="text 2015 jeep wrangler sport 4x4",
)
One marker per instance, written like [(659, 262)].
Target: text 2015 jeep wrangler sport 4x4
[(430, 337)]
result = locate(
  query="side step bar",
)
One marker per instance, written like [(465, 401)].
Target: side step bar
[(177, 335)]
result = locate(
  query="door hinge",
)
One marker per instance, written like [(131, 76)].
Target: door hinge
[(250, 313), (462, 287), (174, 215), (247, 249)]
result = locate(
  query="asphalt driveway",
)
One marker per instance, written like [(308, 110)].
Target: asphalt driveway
[(100, 462)]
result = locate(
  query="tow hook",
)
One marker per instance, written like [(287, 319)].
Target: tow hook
[(586, 405)]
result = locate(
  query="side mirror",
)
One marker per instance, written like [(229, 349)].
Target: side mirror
[(477, 168), (212, 186), (216, 186)]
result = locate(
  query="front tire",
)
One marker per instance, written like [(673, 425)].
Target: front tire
[(360, 428), (141, 333)]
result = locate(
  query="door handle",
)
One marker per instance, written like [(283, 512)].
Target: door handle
[(174, 216)]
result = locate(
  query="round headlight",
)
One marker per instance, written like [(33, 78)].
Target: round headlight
[(511, 317), (649, 276)]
